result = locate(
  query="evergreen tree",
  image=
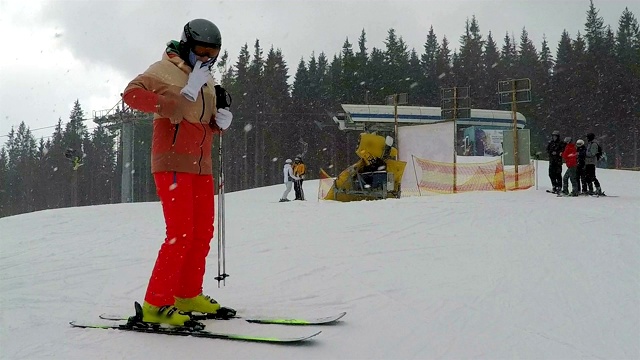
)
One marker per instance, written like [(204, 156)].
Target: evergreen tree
[(277, 109), (72, 138), (238, 176), (223, 68), (364, 73), (561, 108), (4, 183), (21, 169), (626, 77), (415, 79), (350, 78), (56, 170), (321, 77), (256, 98), (594, 68), (376, 77), (543, 94), (301, 83), (546, 58), (397, 62), (101, 165), (468, 67), (595, 30), (508, 58), (429, 89), (443, 65), (487, 95)]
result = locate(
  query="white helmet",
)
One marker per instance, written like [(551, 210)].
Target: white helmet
[(288, 161), (580, 142)]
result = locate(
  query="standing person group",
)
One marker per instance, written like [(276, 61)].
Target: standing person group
[(581, 163), (179, 90), (293, 173)]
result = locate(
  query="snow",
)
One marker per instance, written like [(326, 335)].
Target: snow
[(490, 275)]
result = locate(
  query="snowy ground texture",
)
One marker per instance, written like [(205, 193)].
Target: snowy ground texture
[(485, 275)]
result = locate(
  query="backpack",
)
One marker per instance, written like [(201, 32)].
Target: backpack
[(599, 153)]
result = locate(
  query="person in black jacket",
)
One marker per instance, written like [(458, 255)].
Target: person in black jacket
[(581, 170), (590, 164), (554, 150)]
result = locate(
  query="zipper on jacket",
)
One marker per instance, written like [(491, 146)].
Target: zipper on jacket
[(175, 135), (204, 133)]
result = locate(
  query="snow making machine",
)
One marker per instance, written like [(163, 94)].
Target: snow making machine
[(376, 175)]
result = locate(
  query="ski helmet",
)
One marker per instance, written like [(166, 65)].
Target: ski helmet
[(201, 32)]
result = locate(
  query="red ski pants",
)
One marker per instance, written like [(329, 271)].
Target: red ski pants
[(188, 206)]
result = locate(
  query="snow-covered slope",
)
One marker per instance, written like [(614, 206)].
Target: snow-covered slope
[(487, 275)]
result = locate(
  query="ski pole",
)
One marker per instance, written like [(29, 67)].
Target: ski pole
[(222, 274), (223, 100)]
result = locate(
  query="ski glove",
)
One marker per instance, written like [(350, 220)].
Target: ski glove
[(198, 77), (169, 107), (223, 118)]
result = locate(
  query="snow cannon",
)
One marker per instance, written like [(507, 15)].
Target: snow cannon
[(375, 176)]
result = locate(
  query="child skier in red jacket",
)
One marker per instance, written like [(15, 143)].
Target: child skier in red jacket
[(570, 157)]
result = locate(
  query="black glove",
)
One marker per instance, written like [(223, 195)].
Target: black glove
[(223, 99)]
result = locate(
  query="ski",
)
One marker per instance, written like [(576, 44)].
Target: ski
[(256, 320), (604, 195), (567, 195), (298, 321), (187, 331)]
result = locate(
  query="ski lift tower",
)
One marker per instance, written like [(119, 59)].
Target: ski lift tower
[(121, 117)]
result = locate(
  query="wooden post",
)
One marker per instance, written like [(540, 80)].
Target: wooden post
[(455, 138), (395, 116), (515, 130)]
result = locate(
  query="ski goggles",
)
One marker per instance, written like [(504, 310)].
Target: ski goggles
[(208, 51)]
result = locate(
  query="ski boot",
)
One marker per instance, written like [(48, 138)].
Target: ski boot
[(203, 307), (167, 314)]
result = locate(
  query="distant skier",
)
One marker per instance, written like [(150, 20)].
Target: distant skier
[(289, 178), (554, 150), (570, 156), (580, 169), (75, 158), (299, 170), (590, 164), (179, 90)]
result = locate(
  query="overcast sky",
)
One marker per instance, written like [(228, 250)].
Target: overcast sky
[(58, 51)]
